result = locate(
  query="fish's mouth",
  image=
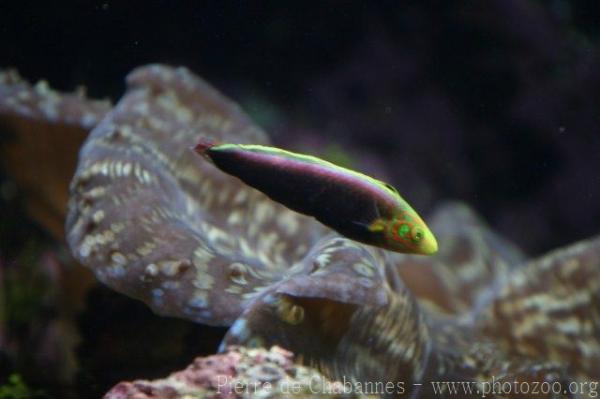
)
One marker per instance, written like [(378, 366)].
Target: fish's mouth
[(429, 245)]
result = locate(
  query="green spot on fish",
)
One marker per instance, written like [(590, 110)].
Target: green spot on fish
[(403, 230)]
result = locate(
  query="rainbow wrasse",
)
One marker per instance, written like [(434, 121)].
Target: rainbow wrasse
[(353, 204)]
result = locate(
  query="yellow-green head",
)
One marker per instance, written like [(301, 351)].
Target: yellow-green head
[(406, 232)]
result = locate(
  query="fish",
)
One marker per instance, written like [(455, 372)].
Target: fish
[(353, 204)]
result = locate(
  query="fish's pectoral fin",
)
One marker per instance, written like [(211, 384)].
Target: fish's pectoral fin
[(361, 224), (377, 226), (376, 210)]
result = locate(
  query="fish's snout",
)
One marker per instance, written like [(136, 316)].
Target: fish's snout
[(429, 245)]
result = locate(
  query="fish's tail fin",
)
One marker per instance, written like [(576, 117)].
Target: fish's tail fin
[(204, 144)]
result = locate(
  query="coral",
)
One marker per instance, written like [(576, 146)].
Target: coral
[(551, 308), (157, 223), (40, 102), (46, 127), (205, 263), (41, 288), (237, 373)]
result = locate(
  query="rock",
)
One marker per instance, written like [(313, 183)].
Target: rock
[(237, 373)]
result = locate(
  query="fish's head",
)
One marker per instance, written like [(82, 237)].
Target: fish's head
[(406, 232)]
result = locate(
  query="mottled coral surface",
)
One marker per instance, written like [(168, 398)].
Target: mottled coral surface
[(225, 253)]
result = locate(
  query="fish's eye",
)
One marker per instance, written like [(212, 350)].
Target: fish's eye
[(417, 234)]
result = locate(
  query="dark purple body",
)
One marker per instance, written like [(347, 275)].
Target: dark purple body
[(335, 197)]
